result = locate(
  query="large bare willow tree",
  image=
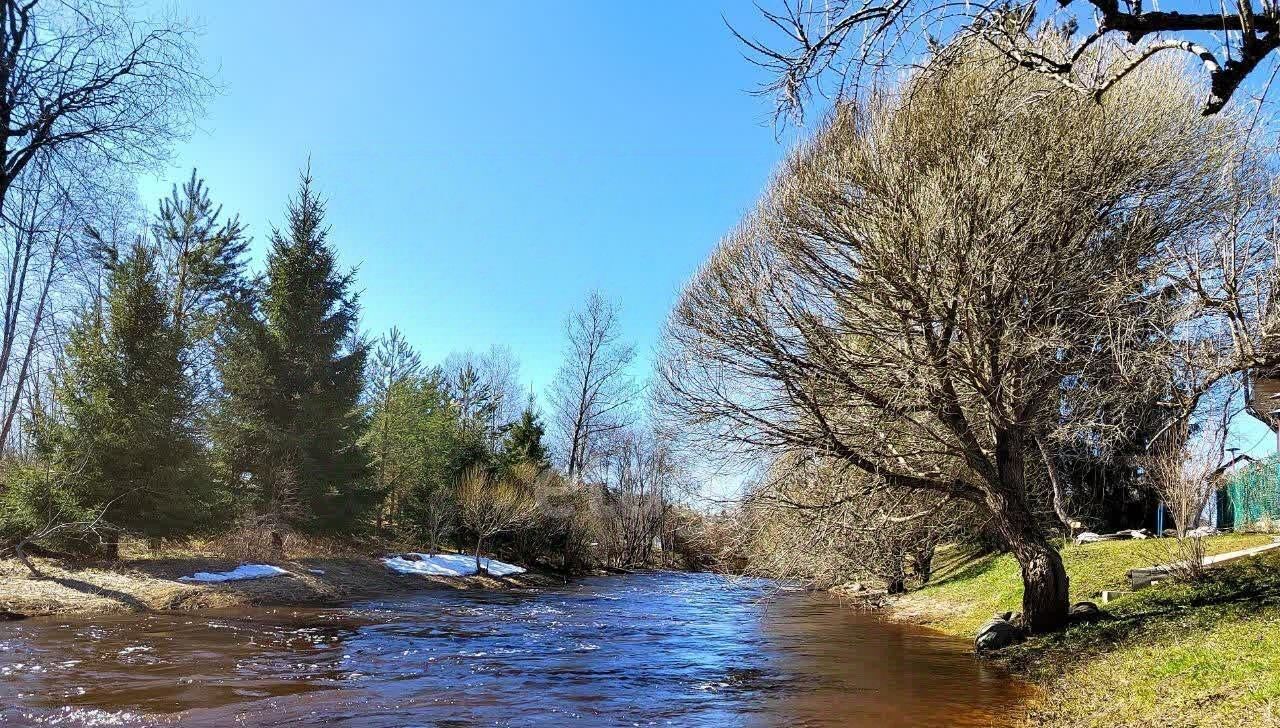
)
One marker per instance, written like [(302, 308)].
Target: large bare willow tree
[(926, 276)]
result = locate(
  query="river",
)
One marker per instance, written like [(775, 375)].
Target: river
[(644, 650)]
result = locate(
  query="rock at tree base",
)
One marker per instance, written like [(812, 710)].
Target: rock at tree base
[(998, 633), (1085, 612)]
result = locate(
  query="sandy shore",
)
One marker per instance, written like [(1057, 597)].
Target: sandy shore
[(143, 584)]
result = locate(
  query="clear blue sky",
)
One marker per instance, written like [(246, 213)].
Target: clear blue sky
[(487, 164)]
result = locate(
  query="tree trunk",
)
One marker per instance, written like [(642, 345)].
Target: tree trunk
[(1045, 597), (1059, 493), (479, 569), (277, 545), (896, 581), (112, 545), (922, 562)]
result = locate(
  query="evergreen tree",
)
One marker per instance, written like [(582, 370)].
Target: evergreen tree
[(397, 410), (202, 254), (524, 443), (292, 370), (124, 438)]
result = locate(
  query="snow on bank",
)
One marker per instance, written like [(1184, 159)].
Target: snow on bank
[(447, 565), (241, 572)]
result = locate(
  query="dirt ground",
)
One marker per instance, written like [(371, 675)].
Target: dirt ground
[(142, 584)]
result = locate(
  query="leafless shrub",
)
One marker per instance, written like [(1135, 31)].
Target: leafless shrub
[(1186, 478), (488, 506), (641, 476)]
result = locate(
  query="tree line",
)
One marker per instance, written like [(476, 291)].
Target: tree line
[(154, 386), (193, 397)]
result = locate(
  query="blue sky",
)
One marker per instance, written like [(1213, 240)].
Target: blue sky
[(487, 164)]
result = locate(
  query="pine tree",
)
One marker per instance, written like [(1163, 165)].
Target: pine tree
[(292, 370), (524, 443), (124, 436), (397, 412), (202, 254)]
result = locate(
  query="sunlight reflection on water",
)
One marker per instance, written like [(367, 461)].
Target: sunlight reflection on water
[(649, 649)]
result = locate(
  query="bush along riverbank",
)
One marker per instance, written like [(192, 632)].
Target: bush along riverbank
[(1201, 653), (192, 579)]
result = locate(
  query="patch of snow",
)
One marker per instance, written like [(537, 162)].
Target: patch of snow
[(241, 572), (317, 571), (447, 565)]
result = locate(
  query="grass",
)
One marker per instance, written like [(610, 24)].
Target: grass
[(1175, 654), (967, 589)]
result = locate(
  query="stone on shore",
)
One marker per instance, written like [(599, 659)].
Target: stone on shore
[(998, 633)]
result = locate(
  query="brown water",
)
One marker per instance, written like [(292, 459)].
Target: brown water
[(647, 650)]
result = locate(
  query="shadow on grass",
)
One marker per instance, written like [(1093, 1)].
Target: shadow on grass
[(86, 588), (964, 566), (1200, 605)]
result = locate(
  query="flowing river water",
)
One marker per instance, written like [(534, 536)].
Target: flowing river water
[(643, 650)]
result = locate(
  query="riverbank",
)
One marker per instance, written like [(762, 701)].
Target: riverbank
[(146, 583), (1204, 654)]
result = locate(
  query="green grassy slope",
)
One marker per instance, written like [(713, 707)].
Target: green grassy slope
[(1175, 654)]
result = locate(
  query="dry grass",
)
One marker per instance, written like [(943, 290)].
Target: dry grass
[(148, 580)]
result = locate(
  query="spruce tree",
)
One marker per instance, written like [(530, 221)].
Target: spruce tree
[(524, 443), (292, 371), (124, 434)]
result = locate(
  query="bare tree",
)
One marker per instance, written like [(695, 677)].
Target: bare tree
[(641, 477), (924, 276), (593, 390), (488, 506), (88, 75), (837, 46)]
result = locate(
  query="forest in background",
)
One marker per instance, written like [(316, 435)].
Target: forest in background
[(154, 386)]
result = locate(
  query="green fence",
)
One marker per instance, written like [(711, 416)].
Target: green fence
[(1254, 494)]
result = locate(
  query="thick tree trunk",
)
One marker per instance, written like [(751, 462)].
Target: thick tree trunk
[(479, 569), (1045, 597)]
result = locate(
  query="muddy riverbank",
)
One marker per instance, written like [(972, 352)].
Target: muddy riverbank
[(145, 584)]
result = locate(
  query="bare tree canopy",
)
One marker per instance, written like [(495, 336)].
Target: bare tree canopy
[(838, 45), (924, 279), (593, 391), (88, 74)]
